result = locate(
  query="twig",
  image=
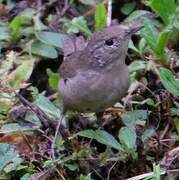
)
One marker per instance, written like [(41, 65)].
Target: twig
[(59, 173), (165, 131), (44, 119), (66, 6), (44, 174), (99, 175), (109, 172), (109, 15), (165, 163), (146, 175), (56, 133)]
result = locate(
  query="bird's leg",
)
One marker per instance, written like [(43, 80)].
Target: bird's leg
[(62, 114)]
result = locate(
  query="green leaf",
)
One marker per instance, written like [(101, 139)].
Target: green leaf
[(127, 137), (102, 137), (91, 2), (136, 66), (47, 106), (53, 79), (51, 38), (88, 2), (149, 33), (45, 50), (127, 8), (175, 111), (132, 46), (142, 45), (71, 167), (21, 74), (100, 17), (19, 21), (169, 81), (130, 118), (82, 177), (6, 103), (148, 133), (78, 24), (38, 24), (137, 14), (13, 128), (4, 33), (176, 19), (164, 8), (161, 42), (157, 172), (147, 101), (26, 176), (9, 158)]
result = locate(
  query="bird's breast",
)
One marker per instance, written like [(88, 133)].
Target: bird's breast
[(92, 91)]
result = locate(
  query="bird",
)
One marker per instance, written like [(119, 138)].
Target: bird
[(93, 74)]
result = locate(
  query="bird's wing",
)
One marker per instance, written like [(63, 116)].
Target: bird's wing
[(73, 56), (69, 66), (73, 44)]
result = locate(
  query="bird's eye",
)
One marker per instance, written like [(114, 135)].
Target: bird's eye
[(109, 42)]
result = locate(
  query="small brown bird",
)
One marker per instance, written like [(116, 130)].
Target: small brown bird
[(94, 75)]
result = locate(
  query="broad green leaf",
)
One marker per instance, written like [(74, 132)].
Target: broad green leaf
[(149, 33), (175, 111), (26, 176), (33, 119), (164, 8), (51, 38), (6, 103), (78, 24), (130, 118), (169, 81), (127, 8), (71, 167), (142, 45), (9, 158), (38, 24), (4, 33), (91, 2), (157, 172), (47, 106), (13, 128), (53, 79), (147, 101), (161, 42), (44, 50), (21, 74), (18, 21), (100, 17), (176, 19), (127, 137), (88, 2), (82, 177), (137, 65), (102, 137), (137, 14), (132, 46), (148, 133)]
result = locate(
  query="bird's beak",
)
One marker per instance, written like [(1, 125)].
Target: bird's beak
[(133, 30)]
